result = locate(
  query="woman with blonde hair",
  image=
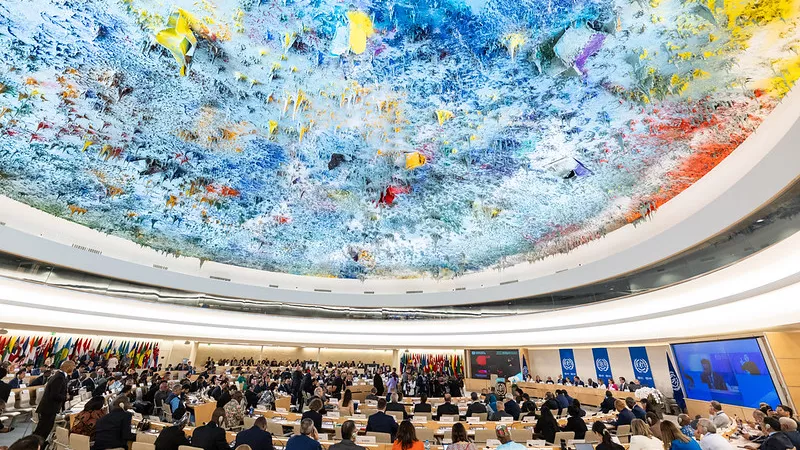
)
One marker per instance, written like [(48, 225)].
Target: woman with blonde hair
[(642, 438), (674, 439)]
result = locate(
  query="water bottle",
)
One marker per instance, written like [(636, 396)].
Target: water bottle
[(427, 444), (251, 411)]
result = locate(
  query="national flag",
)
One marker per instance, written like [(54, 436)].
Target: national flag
[(524, 368), (677, 390)]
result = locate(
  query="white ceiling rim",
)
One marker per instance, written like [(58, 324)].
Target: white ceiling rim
[(761, 167), (752, 295)]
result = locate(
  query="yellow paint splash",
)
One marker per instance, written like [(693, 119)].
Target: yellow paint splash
[(443, 115), (414, 160), (179, 39), (360, 29), (513, 42)]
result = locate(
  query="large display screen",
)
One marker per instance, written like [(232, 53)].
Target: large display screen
[(731, 371), (485, 363)]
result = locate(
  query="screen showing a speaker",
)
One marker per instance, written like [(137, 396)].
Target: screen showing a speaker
[(731, 371)]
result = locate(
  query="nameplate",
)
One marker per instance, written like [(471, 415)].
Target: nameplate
[(447, 419), (473, 419), (529, 419), (536, 443), (359, 416), (365, 440), (421, 419), (492, 443), (332, 414), (572, 442), (506, 419), (372, 403), (281, 410), (333, 401)]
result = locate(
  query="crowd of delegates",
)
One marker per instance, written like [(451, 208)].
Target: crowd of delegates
[(610, 384)]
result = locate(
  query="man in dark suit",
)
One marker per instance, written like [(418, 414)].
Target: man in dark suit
[(308, 439), (713, 379), (257, 437), (637, 410), (53, 398), (348, 434), (623, 385), (475, 407), (377, 381), (382, 422), (114, 429), (625, 416), (423, 406), (608, 403), (173, 437), (776, 439), (512, 407), (211, 436), (394, 405), (446, 408)]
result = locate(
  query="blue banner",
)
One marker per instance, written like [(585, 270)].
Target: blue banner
[(641, 366), (602, 365), (567, 363), (677, 391)]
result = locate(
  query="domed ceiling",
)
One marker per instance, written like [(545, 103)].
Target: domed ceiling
[(378, 138)]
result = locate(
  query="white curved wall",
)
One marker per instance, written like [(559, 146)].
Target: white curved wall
[(760, 168), (755, 294)]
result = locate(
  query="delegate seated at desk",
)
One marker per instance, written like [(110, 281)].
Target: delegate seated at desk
[(381, 422), (423, 406), (447, 408), (625, 416), (211, 436), (395, 406)]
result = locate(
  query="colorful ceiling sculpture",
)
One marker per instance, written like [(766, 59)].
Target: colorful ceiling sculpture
[(378, 138)]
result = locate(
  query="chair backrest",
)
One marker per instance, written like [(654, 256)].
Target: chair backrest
[(24, 398), (624, 439), (62, 436), (398, 415), (368, 411), (11, 404), (521, 435), (275, 428), (296, 429), (483, 435), (243, 447), (481, 416), (381, 438), (143, 446), (249, 422), (188, 447), (563, 435), (624, 430), (146, 438), (425, 434), (78, 441), (592, 437)]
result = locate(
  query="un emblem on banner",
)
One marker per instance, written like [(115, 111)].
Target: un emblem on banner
[(602, 364), (568, 363), (501, 389), (641, 365), (676, 383)]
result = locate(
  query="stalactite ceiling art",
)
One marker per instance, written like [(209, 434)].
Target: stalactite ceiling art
[(378, 138)]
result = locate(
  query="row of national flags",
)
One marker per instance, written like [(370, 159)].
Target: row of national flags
[(446, 364), (36, 349)]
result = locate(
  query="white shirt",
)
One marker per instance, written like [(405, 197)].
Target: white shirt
[(645, 443), (721, 420), (713, 441)]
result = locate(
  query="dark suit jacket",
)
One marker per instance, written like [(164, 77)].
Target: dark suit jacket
[(512, 408), (624, 418), (210, 437), (255, 437), (577, 425), (5, 391), (316, 417), (422, 407), (638, 412), (793, 436), (54, 396), (113, 430), (346, 444), (607, 404), (777, 441), (377, 382), (171, 438), (446, 409), (475, 408), (302, 442), (395, 406), (382, 423)]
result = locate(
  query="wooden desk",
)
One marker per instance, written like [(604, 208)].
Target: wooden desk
[(203, 412), (586, 395)]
